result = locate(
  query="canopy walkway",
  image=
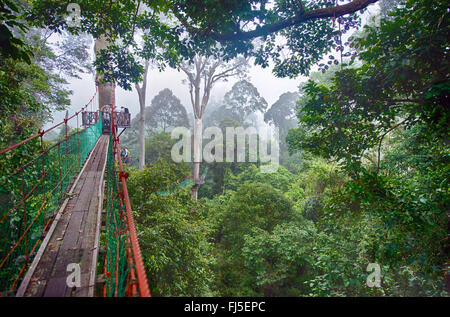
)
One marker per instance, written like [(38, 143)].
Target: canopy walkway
[(66, 219)]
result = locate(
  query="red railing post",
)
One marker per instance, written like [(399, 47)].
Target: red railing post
[(24, 216)]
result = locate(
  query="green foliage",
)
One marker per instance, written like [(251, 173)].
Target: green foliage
[(257, 239), (340, 257), (171, 233), (278, 261), (412, 62), (166, 112), (396, 222), (385, 125), (402, 81), (253, 206), (340, 127), (379, 221), (313, 183), (281, 179), (159, 146), (12, 46), (18, 82)]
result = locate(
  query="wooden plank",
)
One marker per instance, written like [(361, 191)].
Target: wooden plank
[(42, 273), (95, 252), (56, 287), (82, 291), (87, 240), (83, 250), (45, 269), (73, 230)]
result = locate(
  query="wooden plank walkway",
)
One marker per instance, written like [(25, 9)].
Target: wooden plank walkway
[(73, 237)]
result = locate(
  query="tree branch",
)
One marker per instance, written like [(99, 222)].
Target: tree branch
[(226, 73), (301, 17)]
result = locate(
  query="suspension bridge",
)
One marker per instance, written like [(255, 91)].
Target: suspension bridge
[(66, 218)]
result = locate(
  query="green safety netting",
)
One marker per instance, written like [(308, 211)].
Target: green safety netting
[(115, 265), (186, 183)]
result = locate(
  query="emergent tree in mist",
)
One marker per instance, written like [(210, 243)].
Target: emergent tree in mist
[(242, 103), (282, 113), (166, 111), (202, 74)]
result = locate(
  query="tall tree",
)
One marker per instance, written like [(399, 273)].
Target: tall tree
[(142, 89), (242, 103), (166, 111), (203, 72), (282, 115), (104, 87), (282, 112)]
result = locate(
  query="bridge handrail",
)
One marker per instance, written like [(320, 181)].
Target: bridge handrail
[(41, 133), (136, 251)]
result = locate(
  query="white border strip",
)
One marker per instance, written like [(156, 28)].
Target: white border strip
[(26, 280)]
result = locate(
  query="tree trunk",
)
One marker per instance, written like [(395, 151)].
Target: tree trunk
[(104, 89), (141, 93), (197, 146), (142, 131)]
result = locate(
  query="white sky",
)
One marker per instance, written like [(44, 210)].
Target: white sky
[(268, 86)]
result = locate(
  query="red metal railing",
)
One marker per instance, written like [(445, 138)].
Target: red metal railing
[(132, 279), (40, 133)]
